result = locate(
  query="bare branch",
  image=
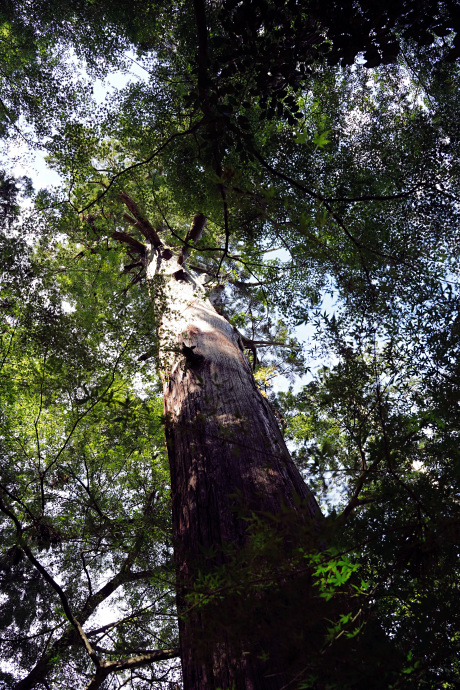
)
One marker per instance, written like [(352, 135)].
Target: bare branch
[(144, 659), (193, 235), (140, 222), (127, 239), (270, 343)]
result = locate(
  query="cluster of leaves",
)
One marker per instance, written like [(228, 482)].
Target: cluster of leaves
[(278, 43)]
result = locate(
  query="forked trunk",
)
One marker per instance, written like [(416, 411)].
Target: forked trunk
[(228, 459)]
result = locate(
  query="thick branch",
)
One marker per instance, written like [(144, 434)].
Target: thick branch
[(150, 353), (120, 578), (142, 659), (144, 226), (193, 235), (145, 659), (135, 264), (135, 245)]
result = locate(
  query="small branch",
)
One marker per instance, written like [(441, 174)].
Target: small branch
[(389, 459), (372, 197), (202, 52), (13, 518), (17, 500), (315, 195), (111, 626), (71, 635), (90, 588), (134, 280), (14, 125), (13, 333), (227, 230), (50, 580), (160, 148), (64, 601), (122, 577), (94, 504), (237, 283), (24, 638)]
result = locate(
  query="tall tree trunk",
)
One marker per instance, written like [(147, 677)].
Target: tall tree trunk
[(226, 455)]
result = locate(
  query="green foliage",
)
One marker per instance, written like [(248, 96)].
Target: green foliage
[(351, 175), (84, 479), (368, 433)]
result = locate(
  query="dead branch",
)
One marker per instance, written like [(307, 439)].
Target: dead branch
[(193, 235), (140, 222), (135, 245)]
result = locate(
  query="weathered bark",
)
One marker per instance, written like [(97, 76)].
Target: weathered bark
[(226, 455)]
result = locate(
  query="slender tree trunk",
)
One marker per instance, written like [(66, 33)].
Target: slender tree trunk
[(227, 456)]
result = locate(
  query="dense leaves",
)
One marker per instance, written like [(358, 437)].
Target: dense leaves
[(76, 437), (322, 180)]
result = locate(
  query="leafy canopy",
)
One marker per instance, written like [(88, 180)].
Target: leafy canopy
[(254, 115)]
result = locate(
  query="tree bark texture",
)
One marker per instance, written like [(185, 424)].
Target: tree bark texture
[(227, 456)]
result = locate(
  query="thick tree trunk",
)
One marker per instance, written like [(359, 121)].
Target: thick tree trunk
[(227, 457)]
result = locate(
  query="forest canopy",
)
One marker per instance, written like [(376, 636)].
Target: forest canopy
[(277, 196)]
